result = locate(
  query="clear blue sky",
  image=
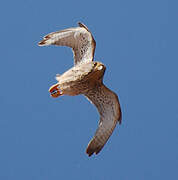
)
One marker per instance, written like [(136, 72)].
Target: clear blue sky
[(45, 139)]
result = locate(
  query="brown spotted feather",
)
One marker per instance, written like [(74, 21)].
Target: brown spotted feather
[(108, 106)]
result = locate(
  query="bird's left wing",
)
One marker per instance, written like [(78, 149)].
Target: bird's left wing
[(108, 106), (79, 39)]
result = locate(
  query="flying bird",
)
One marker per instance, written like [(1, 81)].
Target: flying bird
[(86, 77)]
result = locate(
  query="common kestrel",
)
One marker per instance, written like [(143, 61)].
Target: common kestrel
[(86, 77)]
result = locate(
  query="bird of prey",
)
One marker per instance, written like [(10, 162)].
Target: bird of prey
[(86, 77)]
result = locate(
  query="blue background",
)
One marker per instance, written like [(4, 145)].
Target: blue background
[(42, 138)]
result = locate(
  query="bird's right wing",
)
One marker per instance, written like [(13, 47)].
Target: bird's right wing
[(108, 106), (79, 39)]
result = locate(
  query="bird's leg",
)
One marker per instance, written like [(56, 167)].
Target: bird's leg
[(55, 91)]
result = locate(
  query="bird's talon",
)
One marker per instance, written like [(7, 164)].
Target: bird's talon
[(54, 91)]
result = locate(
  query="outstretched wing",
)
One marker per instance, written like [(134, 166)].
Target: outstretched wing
[(79, 39), (108, 106)]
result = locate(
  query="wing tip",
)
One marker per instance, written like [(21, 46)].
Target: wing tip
[(90, 151), (83, 25), (42, 43), (93, 147), (46, 40)]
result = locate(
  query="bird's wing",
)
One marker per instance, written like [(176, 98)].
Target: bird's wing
[(108, 106), (79, 39)]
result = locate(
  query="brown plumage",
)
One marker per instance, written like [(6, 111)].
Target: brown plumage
[(86, 77)]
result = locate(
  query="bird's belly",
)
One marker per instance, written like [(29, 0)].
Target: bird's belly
[(79, 79)]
